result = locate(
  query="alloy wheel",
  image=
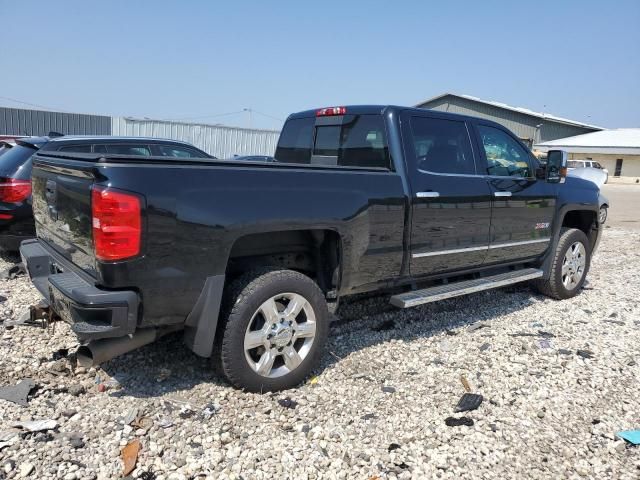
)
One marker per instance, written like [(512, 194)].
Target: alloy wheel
[(280, 335), (573, 265)]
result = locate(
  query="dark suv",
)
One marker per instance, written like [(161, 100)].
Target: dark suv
[(16, 217)]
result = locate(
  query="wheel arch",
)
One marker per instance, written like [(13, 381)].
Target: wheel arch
[(317, 253)]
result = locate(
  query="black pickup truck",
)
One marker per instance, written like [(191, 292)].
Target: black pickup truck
[(248, 258)]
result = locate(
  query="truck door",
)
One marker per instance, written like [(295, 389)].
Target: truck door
[(451, 202), (523, 207)]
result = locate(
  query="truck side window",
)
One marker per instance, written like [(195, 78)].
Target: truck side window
[(442, 146), (296, 141), (505, 156)]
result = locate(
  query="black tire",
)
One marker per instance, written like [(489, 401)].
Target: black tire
[(242, 300), (553, 286)]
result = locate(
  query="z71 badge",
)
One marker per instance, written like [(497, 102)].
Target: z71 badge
[(542, 226)]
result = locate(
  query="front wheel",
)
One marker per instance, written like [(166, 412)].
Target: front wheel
[(275, 331), (602, 214), (570, 265)]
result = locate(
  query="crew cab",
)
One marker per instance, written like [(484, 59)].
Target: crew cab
[(16, 217), (248, 258)]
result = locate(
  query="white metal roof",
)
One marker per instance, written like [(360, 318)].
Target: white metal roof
[(615, 141), (526, 111)]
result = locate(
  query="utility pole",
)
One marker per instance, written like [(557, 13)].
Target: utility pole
[(250, 115)]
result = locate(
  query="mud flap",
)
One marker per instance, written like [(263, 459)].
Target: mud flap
[(201, 324)]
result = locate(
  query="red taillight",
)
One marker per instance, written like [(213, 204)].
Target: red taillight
[(117, 223), (5, 216), (327, 112), (13, 190)]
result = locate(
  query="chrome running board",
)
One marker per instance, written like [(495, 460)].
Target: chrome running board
[(440, 292)]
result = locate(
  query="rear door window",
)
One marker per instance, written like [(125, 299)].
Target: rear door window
[(442, 146)]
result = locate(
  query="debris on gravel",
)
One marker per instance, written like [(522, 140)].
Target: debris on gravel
[(287, 403), (468, 402), (458, 422), (379, 406), (18, 393)]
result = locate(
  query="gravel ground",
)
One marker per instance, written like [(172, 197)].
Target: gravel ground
[(376, 408)]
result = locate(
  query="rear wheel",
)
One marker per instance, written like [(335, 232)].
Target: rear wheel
[(275, 331), (569, 267)]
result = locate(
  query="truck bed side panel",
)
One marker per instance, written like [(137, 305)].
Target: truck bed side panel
[(195, 213)]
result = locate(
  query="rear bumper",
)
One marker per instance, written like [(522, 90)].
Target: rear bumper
[(93, 313)]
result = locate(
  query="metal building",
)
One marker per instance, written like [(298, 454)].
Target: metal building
[(532, 127), (19, 121), (218, 140)]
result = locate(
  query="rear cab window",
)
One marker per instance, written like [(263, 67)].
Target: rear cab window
[(345, 141)]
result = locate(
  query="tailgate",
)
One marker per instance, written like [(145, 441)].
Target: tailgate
[(62, 207)]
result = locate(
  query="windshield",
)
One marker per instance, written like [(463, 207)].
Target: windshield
[(16, 162)]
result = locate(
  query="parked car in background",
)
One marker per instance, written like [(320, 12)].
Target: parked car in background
[(5, 146), (603, 208), (254, 158), (7, 142), (16, 217), (248, 258), (574, 164)]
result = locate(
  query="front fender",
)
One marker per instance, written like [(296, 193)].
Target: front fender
[(575, 195)]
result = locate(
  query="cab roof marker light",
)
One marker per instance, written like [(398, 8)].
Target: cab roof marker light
[(331, 111)]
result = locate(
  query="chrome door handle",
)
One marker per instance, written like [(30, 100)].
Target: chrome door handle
[(427, 194), (501, 194)]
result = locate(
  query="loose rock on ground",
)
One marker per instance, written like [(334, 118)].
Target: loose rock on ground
[(378, 405)]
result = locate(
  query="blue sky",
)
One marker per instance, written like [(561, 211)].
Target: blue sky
[(200, 59)]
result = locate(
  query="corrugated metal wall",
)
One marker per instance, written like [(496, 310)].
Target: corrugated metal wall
[(18, 121), (221, 141), (524, 126)]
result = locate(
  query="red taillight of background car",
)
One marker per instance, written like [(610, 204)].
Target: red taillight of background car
[(13, 190), (117, 223)]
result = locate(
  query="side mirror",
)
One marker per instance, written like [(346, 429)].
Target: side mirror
[(556, 171)]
